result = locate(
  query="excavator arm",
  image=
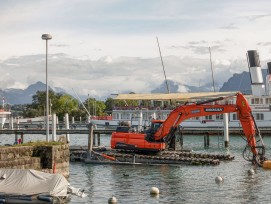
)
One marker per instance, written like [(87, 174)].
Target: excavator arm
[(167, 130)]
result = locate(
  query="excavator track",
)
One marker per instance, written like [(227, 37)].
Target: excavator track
[(170, 157)]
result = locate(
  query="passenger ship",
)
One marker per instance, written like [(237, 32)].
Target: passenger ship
[(259, 100)]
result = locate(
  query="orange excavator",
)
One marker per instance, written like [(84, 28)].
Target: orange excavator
[(162, 133)]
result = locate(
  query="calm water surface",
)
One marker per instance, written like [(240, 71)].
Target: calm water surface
[(177, 184)]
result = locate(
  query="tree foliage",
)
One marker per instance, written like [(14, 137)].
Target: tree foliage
[(64, 103)]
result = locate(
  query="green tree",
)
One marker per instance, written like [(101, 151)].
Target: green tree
[(109, 105), (65, 104), (94, 107)]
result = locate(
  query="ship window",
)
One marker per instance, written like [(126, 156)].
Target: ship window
[(208, 117), (235, 116), (257, 101), (268, 100), (195, 118), (219, 117), (259, 116), (115, 116)]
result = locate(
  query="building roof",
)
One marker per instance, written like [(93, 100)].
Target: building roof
[(173, 96)]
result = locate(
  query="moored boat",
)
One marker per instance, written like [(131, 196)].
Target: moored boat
[(31, 186)]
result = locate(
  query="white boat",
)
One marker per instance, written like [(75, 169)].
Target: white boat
[(4, 115), (31, 186), (259, 100)]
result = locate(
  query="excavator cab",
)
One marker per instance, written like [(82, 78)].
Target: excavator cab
[(155, 124)]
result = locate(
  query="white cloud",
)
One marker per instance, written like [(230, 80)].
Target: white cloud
[(99, 46), (124, 74)]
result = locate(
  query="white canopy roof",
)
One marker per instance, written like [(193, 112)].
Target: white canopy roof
[(173, 96)]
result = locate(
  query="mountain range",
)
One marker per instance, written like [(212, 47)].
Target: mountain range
[(238, 82)]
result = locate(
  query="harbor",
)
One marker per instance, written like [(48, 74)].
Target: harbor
[(135, 102), (188, 183)]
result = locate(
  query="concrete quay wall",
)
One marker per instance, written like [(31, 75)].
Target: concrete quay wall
[(50, 159)]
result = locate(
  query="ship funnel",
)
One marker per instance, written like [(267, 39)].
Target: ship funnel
[(257, 85), (268, 79), (269, 68)]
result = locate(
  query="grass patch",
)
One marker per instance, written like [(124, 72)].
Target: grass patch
[(39, 143)]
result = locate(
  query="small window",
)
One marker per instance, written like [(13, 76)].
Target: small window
[(219, 117), (235, 116), (259, 116), (208, 117)]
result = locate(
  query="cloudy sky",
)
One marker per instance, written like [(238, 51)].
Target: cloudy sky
[(101, 47)]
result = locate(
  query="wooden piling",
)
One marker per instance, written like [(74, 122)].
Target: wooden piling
[(90, 138), (22, 137), (94, 139), (207, 139), (99, 139)]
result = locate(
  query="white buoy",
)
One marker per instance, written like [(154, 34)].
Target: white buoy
[(112, 200), (218, 179), (251, 172), (154, 191)]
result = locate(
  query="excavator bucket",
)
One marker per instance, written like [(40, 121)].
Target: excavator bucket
[(267, 164)]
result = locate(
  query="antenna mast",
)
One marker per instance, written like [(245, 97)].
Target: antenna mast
[(162, 64), (212, 68)]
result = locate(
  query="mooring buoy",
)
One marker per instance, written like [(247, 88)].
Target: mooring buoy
[(251, 172), (154, 191), (218, 179), (112, 200)]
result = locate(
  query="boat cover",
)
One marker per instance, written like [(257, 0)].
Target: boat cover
[(32, 182)]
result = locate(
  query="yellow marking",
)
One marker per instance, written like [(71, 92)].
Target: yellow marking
[(244, 103)]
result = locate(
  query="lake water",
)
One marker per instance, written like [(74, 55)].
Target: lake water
[(177, 183)]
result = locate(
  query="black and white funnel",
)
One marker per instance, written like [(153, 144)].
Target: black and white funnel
[(257, 84)]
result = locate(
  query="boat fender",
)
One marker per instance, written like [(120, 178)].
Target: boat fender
[(45, 198)]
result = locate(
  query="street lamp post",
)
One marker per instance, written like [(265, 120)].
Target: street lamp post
[(47, 37)]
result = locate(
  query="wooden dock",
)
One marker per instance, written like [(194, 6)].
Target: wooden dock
[(108, 131), (58, 132)]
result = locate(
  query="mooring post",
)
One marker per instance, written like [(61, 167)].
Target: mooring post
[(99, 139), (18, 124), (94, 139), (181, 136), (72, 120), (226, 129), (54, 127), (16, 138), (11, 123), (22, 138), (57, 122), (208, 139), (67, 126), (90, 140)]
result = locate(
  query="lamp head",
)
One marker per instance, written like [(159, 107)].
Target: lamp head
[(46, 37)]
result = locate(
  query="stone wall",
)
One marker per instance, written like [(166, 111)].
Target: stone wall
[(50, 159)]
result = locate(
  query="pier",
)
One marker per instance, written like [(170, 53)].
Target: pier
[(108, 130), (58, 132)]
